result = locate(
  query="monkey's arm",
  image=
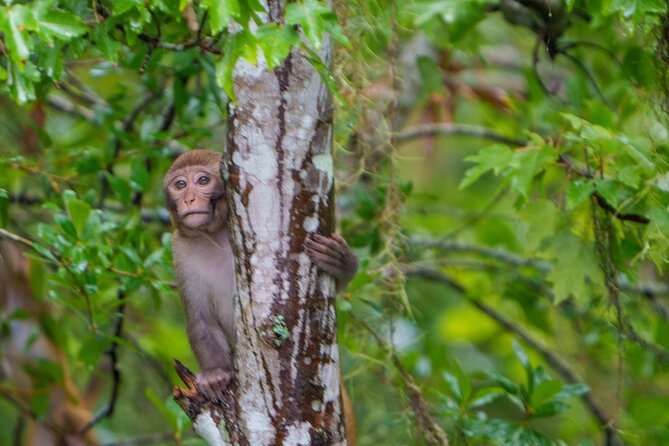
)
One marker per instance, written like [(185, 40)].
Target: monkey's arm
[(334, 256), (211, 349)]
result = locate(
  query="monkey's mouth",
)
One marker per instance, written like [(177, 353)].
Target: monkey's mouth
[(196, 219), (189, 213)]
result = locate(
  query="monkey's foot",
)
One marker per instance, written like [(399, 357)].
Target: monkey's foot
[(213, 382)]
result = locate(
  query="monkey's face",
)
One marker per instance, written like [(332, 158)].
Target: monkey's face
[(195, 194)]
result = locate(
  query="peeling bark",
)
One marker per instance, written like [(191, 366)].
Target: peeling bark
[(278, 170)]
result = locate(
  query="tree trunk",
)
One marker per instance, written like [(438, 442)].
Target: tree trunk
[(278, 170)]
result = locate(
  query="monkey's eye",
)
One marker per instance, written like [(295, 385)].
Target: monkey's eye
[(203, 180), (180, 184)]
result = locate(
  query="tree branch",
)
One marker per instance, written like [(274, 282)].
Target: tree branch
[(28, 412), (208, 417), (65, 106), (450, 129)]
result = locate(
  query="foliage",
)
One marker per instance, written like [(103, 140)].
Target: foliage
[(512, 259)]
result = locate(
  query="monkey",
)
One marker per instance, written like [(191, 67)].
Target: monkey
[(204, 264)]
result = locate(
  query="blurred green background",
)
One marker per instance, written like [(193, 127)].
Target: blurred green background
[(502, 175)]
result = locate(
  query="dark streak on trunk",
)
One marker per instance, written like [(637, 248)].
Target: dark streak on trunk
[(316, 325)]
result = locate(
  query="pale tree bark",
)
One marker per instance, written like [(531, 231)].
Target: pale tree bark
[(278, 170)]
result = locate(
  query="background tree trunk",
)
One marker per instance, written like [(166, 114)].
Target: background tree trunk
[(278, 169)]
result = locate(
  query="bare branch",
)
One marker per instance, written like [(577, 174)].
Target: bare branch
[(450, 129), (207, 416), (65, 106)]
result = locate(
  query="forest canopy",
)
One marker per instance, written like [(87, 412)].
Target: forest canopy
[(502, 172)]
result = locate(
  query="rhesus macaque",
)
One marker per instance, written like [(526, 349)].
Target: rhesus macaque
[(204, 263), (24, 345)]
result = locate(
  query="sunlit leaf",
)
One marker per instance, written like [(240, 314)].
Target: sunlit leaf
[(221, 12), (16, 24), (276, 42), (59, 25), (492, 159)]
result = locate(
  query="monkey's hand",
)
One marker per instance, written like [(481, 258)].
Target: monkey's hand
[(334, 256), (213, 382)]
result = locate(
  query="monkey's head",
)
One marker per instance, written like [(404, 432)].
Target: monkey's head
[(194, 192)]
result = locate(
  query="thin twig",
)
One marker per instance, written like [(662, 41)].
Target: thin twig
[(114, 367), (28, 412), (579, 64), (65, 106), (450, 129)]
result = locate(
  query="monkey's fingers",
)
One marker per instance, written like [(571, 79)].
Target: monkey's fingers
[(327, 263), (213, 383), (326, 246), (320, 258)]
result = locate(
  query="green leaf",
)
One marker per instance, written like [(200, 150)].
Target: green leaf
[(545, 391), (88, 163), (66, 225), (614, 192), (139, 175), (494, 158), (123, 6), (527, 164), (276, 42), (60, 25), (453, 385), (121, 187), (506, 384), (21, 88), (44, 252), (578, 191), (226, 65), (575, 268), (459, 16), (311, 16), (92, 348), (484, 397), (575, 389), (525, 361), (78, 211), (104, 43), (335, 30), (550, 408), (15, 25), (570, 4), (221, 12)]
